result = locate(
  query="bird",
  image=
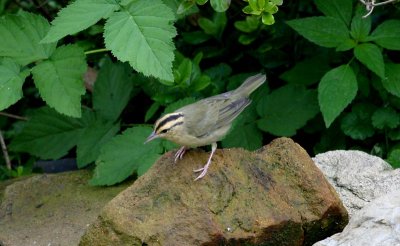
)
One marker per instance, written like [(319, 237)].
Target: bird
[(206, 121)]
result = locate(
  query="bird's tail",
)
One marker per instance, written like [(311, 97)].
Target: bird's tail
[(250, 84)]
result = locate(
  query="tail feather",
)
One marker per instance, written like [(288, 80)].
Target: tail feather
[(251, 84)]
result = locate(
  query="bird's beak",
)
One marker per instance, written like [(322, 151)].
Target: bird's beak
[(152, 136)]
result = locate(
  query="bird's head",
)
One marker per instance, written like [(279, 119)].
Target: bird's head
[(169, 126)]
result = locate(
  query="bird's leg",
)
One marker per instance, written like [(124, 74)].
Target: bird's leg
[(179, 154), (204, 169)]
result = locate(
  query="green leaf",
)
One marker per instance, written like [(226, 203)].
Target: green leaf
[(78, 16), (125, 154), (331, 139), (287, 109), (387, 35), (324, 31), (11, 80), (360, 27), (244, 132), (151, 111), (49, 135), (339, 9), (267, 19), (179, 104), (201, 2), (385, 118), (214, 27), (246, 136), (249, 25), (95, 136), (182, 8), (336, 90), (391, 82), (394, 134), (196, 37), (182, 70), (20, 36), (59, 79), (348, 44), (315, 67), (357, 124), (142, 34), (394, 157), (112, 90), (371, 56), (220, 5)]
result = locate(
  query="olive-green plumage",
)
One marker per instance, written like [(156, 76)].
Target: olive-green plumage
[(206, 121)]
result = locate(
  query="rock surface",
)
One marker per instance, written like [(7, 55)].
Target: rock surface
[(358, 177), (50, 209), (378, 223), (275, 196)]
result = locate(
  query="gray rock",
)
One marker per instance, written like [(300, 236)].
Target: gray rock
[(358, 177), (378, 223), (50, 209)]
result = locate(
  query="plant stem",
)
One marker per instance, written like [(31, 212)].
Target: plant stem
[(5, 152), (13, 116), (96, 51)]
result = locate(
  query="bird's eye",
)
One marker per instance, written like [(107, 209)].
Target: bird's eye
[(164, 131)]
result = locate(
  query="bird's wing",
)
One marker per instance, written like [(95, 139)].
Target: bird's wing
[(213, 113)]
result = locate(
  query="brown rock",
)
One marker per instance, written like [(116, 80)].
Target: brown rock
[(274, 196)]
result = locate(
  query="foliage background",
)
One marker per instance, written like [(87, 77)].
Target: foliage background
[(92, 76)]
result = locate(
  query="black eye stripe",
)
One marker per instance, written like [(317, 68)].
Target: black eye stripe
[(176, 124), (168, 119)]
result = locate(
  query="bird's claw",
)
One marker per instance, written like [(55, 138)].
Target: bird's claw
[(179, 154)]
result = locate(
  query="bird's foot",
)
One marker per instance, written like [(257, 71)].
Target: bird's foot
[(203, 171), (179, 154)]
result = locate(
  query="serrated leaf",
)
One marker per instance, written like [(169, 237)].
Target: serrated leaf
[(387, 35), (78, 16), (11, 80), (324, 31), (124, 155), (59, 79), (360, 27), (357, 124), (142, 34), (287, 109), (112, 90), (49, 135), (340, 9), (336, 90), (391, 82), (385, 118), (220, 5), (371, 56), (315, 67), (20, 35), (93, 137)]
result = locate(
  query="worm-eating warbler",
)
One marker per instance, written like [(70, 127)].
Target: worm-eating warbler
[(206, 121)]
